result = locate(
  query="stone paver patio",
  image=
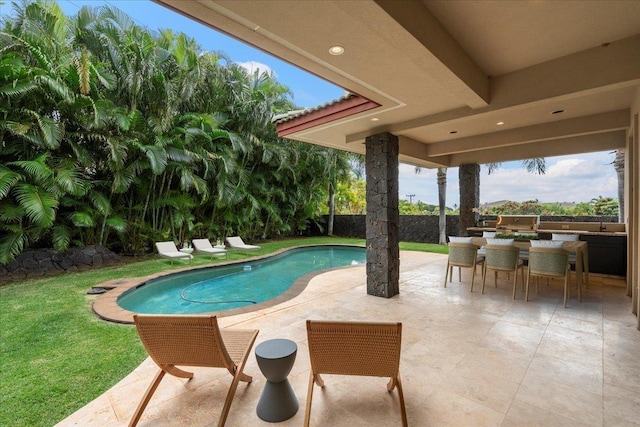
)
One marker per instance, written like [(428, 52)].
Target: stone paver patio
[(468, 359)]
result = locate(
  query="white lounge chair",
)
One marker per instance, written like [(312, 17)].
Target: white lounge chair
[(169, 250), (236, 242), (204, 246)]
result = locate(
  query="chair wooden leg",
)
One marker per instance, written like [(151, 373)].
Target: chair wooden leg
[(239, 376), (318, 379), (495, 279), (459, 274), (307, 411), (526, 291), (567, 287), (403, 410), (473, 277), (579, 286), (484, 277), (515, 282), (146, 398), (446, 274)]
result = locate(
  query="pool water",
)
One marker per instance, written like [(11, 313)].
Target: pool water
[(233, 286)]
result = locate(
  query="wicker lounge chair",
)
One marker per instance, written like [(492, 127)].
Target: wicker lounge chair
[(354, 348), (236, 242), (169, 250), (204, 246), (193, 340)]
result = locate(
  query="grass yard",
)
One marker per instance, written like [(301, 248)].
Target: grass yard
[(56, 355)]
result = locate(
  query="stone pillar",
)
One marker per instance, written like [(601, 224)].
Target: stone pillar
[(383, 253), (469, 177)]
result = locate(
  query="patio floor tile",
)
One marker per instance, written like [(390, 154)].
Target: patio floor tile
[(467, 359)]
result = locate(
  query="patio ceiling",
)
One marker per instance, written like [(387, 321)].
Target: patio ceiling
[(435, 67)]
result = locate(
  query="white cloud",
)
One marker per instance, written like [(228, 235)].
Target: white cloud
[(425, 186), (579, 167), (575, 178), (252, 66)]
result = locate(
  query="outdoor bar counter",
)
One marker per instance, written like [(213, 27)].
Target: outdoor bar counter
[(607, 241)]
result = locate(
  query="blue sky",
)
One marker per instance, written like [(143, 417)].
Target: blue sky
[(575, 178)]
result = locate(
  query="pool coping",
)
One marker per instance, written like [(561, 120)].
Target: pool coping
[(106, 306)]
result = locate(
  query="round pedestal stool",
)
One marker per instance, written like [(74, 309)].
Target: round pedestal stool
[(278, 401)]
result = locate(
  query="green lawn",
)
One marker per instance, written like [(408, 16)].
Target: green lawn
[(56, 355)]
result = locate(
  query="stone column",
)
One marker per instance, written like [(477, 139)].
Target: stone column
[(469, 177), (383, 254)]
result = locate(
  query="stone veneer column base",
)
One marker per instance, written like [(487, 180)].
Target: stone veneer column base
[(383, 254)]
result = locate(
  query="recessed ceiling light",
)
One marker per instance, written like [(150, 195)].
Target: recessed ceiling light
[(557, 112), (453, 131), (336, 50), (374, 119), (500, 123)]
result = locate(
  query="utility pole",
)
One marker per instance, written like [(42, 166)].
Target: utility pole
[(411, 196)]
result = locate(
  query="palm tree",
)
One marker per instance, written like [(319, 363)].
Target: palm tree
[(442, 202), (470, 193), (41, 87), (338, 168), (618, 164), (106, 127)]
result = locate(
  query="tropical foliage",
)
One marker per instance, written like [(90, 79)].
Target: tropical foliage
[(111, 134), (599, 206)]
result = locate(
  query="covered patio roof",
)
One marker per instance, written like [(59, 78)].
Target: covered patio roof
[(443, 74), (460, 82)]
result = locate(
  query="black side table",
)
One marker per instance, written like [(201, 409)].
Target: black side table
[(278, 401)]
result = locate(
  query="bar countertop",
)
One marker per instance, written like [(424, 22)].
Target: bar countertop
[(550, 231)]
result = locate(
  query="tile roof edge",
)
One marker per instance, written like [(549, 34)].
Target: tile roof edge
[(285, 117)]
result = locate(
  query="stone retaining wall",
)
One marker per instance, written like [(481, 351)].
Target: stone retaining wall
[(424, 228), (413, 228), (45, 262)]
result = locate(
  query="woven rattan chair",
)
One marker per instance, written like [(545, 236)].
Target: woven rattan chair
[(354, 348), (549, 263), (569, 238), (462, 255), (502, 258), (193, 341)]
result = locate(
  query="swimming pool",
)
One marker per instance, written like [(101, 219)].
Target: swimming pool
[(227, 287)]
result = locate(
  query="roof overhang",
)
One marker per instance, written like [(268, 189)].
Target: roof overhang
[(441, 75)]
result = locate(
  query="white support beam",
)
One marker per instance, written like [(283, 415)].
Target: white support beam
[(445, 60), (594, 70), (597, 123), (557, 147)]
